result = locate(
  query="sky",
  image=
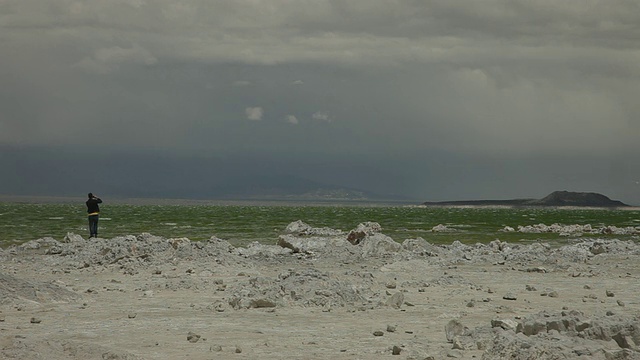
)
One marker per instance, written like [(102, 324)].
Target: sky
[(426, 100)]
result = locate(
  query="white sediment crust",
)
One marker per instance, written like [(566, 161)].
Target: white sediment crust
[(318, 297)]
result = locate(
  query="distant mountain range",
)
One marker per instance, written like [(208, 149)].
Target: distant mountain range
[(556, 198)]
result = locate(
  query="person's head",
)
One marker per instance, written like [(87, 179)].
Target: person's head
[(90, 195)]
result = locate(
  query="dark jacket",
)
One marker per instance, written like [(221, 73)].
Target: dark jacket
[(92, 205)]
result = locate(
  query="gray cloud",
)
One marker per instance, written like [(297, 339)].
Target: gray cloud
[(491, 82), (106, 60)]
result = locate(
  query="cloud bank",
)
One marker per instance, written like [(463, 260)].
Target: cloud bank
[(549, 84)]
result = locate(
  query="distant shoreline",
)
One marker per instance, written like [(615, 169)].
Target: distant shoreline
[(28, 199), (555, 199), (493, 206)]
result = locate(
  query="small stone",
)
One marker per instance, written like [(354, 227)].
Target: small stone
[(217, 348), (531, 288), (471, 303), (396, 300), (509, 296), (238, 349), (457, 344), (610, 313), (506, 324), (582, 352), (378, 333), (35, 320), (620, 303), (390, 285), (391, 328), (453, 329), (132, 315), (193, 337), (553, 294), (610, 293), (396, 350), (587, 287)]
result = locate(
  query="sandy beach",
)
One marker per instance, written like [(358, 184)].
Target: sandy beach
[(318, 294)]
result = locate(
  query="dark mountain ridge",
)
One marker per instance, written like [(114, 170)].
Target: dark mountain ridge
[(556, 198)]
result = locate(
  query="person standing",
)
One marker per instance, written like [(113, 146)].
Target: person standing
[(93, 211)]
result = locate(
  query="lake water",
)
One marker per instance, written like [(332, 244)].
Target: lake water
[(242, 224)]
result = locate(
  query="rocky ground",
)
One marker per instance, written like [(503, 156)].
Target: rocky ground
[(318, 294)]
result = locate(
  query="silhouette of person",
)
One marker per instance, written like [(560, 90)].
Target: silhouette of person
[(93, 211)]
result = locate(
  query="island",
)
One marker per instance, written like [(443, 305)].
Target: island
[(556, 198)]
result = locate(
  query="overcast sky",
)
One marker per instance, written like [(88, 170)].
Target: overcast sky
[(433, 100)]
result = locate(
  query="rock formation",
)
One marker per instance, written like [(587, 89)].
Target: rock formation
[(556, 198)]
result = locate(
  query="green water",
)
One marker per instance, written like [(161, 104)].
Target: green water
[(243, 224)]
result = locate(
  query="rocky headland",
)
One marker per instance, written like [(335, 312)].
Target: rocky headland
[(556, 198), (319, 293)]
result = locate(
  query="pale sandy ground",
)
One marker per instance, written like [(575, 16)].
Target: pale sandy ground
[(149, 312)]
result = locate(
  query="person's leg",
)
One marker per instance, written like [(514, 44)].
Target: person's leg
[(93, 225)]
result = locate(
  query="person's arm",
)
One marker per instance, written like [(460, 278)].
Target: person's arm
[(98, 200)]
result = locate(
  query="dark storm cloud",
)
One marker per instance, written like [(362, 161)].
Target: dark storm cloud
[(443, 92)]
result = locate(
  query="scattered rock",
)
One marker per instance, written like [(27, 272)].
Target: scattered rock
[(457, 344), (396, 350), (396, 300), (506, 324), (391, 328), (193, 337), (453, 329)]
